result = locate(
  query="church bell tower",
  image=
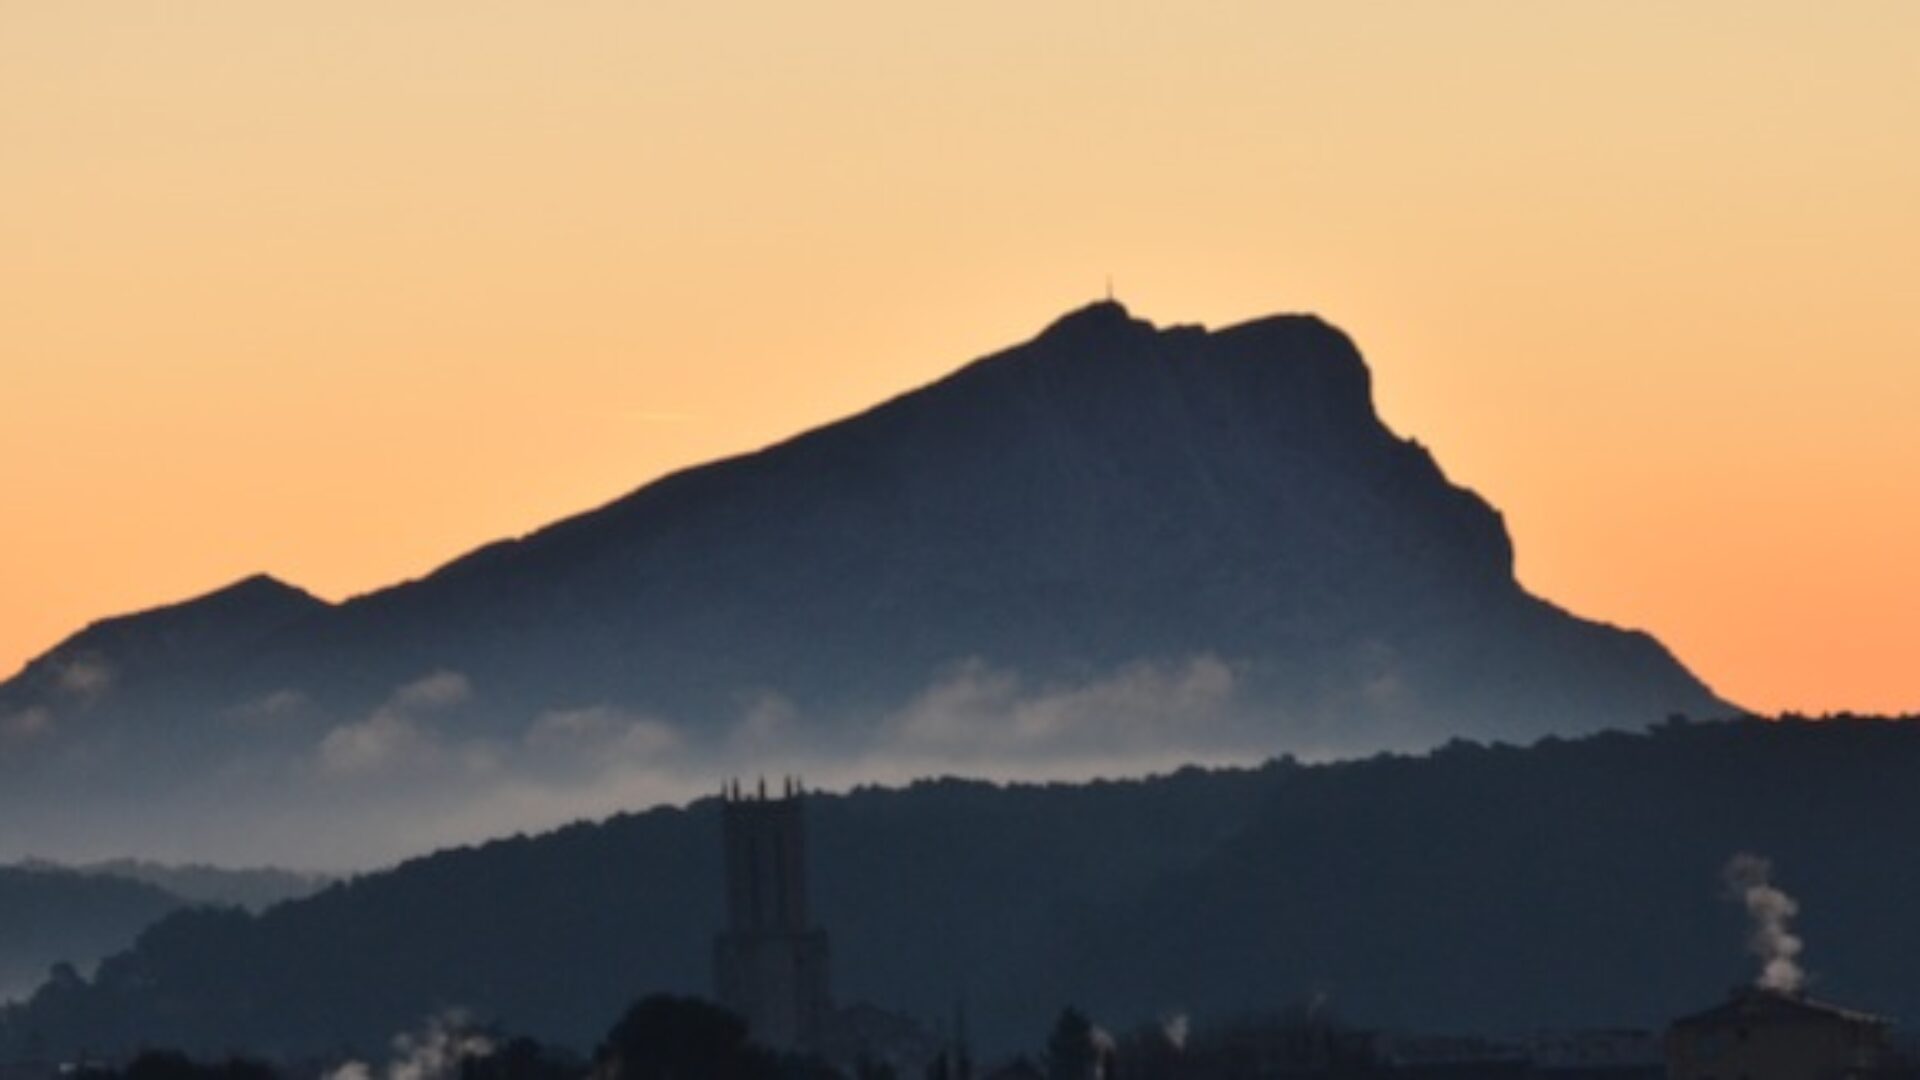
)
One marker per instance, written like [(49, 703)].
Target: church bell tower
[(770, 963)]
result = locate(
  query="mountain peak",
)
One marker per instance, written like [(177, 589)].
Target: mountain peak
[(253, 585), (174, 633), (249, 594), (1100, 318)]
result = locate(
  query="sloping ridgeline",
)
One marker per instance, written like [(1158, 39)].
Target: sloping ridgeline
[(1476, 888)]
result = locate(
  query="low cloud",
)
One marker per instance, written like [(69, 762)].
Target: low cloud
[(440, 690), (992, 723), (603, 731), (84, 678), (272, 709), (436, 764), (768, 725), (975, 720), (980, 713), (399, 733), (26, 725), (588, 761)]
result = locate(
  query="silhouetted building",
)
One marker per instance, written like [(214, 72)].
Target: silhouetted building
[(1767, 1035), (770, 964)]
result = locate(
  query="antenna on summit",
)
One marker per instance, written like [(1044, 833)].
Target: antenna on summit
[(1109, 288)]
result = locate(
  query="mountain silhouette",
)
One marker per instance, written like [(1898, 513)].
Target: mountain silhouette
[(1107, 494)]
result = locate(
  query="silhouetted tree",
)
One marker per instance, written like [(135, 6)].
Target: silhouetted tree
[(1071, 1051), (1150, 1053), (804, 1067), (174, 1065), (678, 1038)]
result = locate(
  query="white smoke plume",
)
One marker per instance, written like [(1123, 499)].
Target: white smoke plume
[(1105, 1050), (435, 1052), (1749, 880), (1176, 1028)]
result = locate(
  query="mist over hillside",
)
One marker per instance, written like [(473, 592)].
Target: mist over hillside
[(1482, 888), (1111, 549), (255, 888), (50, 915), (56, 914)]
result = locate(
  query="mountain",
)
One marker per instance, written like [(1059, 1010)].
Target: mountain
[(1112, 544), (1477, 888), (51, 916)]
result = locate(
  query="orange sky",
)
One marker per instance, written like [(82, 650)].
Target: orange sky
[(338, 290)]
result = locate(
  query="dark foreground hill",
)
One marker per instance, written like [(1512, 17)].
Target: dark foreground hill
[(1205, 543), (1479, 888)]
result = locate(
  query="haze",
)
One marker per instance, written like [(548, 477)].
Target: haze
[(340, 291)]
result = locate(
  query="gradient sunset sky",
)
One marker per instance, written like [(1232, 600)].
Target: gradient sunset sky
[(338, 290)]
